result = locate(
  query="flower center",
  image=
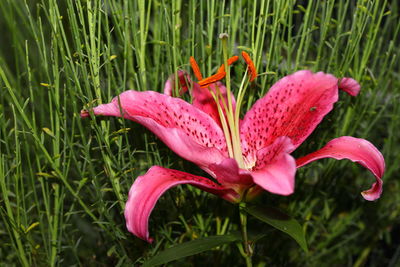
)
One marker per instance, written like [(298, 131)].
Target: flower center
[(229, 116)]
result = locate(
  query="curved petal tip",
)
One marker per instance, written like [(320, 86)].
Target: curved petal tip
[(374, 192), (110, 109), (357, 150), (148, 188), (350, 86)]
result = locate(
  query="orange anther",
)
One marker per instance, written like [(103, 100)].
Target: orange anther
[(196, 69), (231, 60), (250, 65), (221, 69), (212, 79)]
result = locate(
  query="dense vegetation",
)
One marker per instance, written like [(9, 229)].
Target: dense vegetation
[(64, 180)]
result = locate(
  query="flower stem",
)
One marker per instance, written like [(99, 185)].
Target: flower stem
[(247, 250)]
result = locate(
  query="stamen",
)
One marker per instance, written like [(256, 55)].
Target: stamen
[(231, 60), (221, 69), (196, 69), (219, 75), (250, 64), (212, 79)]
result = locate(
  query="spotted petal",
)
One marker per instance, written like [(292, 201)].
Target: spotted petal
[(186, 130), (357, 150), (202, 98), (293, 107), (148, 188)]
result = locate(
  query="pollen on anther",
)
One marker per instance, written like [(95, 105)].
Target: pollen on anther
[(196, 69), (250, 64)]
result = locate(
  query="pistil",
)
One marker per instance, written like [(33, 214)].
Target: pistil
[(233, 127), (228, 116)]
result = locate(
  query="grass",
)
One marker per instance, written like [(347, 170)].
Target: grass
[(64, 180)]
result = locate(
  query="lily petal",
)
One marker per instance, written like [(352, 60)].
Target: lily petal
[(203, 99), (184, 82), (228, 172), (350, 86), (148, 188), (186, 130), (357, 150), (276, 168), (293, 107)]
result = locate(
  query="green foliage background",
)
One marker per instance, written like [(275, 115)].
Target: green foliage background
[(64, 180)]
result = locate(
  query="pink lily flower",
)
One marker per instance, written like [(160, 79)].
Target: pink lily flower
[(270, 131)]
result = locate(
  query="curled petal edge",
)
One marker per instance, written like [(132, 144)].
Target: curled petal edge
[(350, 86), (148, 188), (357, 150)]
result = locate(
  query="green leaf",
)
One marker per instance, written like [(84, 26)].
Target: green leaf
[(280, 221), (48, 131), (190, 248)]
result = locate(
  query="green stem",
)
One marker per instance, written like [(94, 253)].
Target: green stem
[(248, 251), (18, 245), (143, 36)]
